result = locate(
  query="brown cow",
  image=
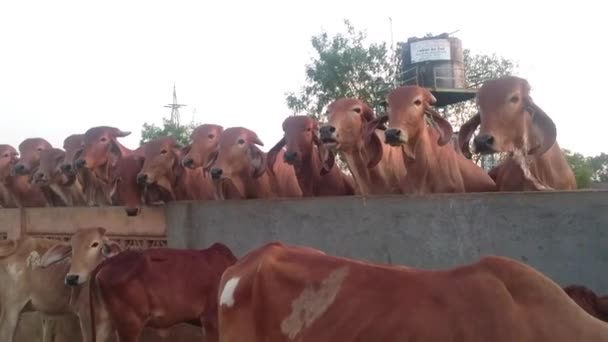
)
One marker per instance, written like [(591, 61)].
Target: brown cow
[(239, 169), (306, 154), (511, 122), (8, 159), (280, 293), (162, 167), (204, 142), (432, 163), (593, 304), (19, 183), (353, 131), (159, 287), (59, 188), (100, 152), (33, 277)]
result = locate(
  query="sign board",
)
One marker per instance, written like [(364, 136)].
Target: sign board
[(430, 50)]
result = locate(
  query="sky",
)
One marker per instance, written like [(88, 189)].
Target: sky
[(66, 66)]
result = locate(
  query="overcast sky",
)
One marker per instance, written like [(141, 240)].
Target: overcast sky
[(66, 66)]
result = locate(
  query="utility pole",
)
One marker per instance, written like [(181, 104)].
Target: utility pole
[(175, 108)]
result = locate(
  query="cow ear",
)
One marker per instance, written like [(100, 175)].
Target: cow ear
[(110, 249), (271, 156), (544, 125), (372, 141), (465, 134), (55, 254), (442, 125), (257, 158)]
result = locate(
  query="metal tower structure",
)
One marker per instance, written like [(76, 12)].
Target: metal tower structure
[(175, 108)]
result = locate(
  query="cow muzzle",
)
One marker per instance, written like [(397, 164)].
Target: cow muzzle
[(216, 173), (395, 137), (187, 162), (80, 163), (40, 177), (66, 168), (328, 135), (20, 169), (142, 178), (290, 157), (484, 144), (72, 279)]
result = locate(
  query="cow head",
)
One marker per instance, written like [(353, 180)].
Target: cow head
[(161, 160), (125, 191), (101, 146), (88, 247), (590, 302), (409, 107), (238, 156), (29, 151), (351, 127), (300, 137), (49, 170), (73, 148), (8, 159), (204, 142), (509, 120)]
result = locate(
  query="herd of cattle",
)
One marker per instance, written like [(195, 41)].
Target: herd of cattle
[(412, 149), (281, 292)]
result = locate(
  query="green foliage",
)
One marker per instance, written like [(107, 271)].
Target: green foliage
[(587, 169), (169, 129), (344, 67)]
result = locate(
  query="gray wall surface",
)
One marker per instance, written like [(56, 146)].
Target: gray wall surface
[(562, 234)]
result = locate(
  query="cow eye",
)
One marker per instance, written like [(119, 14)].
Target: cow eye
[(6, 155), (39, 149), (418, 102), (308, 129), (163, 152), (94, 244), (515, 99), (241, 141), (211, 136), (103, 139), (358, 110)]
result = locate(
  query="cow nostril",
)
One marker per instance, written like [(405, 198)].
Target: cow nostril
[(484, 143), (216, 173), (20, 168), (142, 178), (80, 163), (290, 156), (39, 176), (187, 162), (71, 279)]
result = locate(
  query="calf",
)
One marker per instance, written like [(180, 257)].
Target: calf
[(593, 304), (162, 168), (60, 189), (239, 169), (281, 292), (306, 155), (33, 276), (511, 122), (432, 163), (126, 191), (100, 152), (204, 143), (8, 159), (353, 131), (19, 183), (159, 287)]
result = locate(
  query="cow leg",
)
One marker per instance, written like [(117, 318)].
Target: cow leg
[(9, 321), (49, 328), (129, 328)]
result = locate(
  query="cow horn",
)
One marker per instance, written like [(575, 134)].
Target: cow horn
[(543, 122), (466, 132), (121, 134), (271, 156), (257, 141), (442, 125)]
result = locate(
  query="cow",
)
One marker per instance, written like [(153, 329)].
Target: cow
[(353, 131), (100, 152), (596, 306), (511, 122), (306, 154), (8, 159), (432, 163), (19, 183), (34, 274), (59, 188), (204, 142), (239, 169), (281, 292), (83, 179), (162, 168), (159, 287)]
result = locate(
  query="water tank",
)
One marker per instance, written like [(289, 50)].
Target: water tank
[(435, 62)]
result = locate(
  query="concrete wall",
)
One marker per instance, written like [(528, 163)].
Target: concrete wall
[(563, 234)]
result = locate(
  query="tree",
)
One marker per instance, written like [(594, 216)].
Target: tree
[(344, 66), (169, 129), (587, 170)]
